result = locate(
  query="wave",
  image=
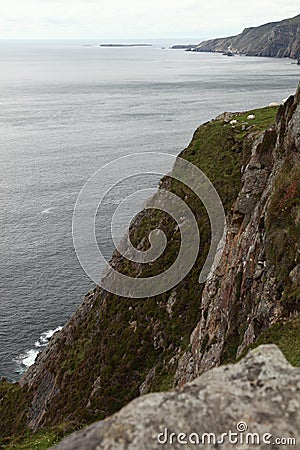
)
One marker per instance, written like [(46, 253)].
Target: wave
[(28, 358), (47, 210)]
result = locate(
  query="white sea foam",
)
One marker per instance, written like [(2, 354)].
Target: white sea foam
[(28, 358), (46, 336), (47, 211)]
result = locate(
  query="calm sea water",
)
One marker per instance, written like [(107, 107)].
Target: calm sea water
[(67, 109)]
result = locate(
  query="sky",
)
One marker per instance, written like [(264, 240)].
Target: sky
[(136, 19)]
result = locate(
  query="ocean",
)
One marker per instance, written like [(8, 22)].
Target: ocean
[(68, 108)]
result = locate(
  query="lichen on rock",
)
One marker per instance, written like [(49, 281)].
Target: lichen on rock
[(260, 393)]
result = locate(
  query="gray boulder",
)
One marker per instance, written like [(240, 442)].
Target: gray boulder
[(256, 401)]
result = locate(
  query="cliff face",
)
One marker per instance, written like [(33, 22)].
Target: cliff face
[(113, 349), (256, 283), (277, 39)]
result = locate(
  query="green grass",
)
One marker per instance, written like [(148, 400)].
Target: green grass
[(14, 405), (38, 441), (264, 118), (286, 336), (283, 230)]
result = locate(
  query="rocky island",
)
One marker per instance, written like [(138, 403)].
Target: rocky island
[(116, 349), (187, 47)]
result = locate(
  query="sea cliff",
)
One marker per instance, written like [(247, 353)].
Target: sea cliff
[(275, 39), (115, 349)]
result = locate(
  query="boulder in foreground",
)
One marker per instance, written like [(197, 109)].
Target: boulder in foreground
[(256, 400)]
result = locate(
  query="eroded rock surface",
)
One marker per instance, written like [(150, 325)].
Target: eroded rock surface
[(246, 292)]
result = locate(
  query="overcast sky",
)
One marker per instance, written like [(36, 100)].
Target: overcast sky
[(95, 19)]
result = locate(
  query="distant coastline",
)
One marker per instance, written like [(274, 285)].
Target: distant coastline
[(274, 39), (125, 45)]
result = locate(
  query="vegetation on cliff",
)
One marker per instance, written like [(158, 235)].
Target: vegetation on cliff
[(113, 349)]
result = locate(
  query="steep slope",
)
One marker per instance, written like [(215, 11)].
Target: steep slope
[(256, 284), (114, 349), (276, 39)]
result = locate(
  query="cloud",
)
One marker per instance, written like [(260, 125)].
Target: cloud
[(136, 18)]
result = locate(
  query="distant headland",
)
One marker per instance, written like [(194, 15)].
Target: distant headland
[(275, 39)]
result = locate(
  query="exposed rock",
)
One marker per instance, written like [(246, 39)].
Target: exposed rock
[(40, 378), (146, 385), (227, 116), (248, 339), (261, 394), (295, 275), (242, 298), (276, 39), (171, 302)]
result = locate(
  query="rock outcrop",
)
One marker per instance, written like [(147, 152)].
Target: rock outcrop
[(276, 39), (243, 297), (257, 398)]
